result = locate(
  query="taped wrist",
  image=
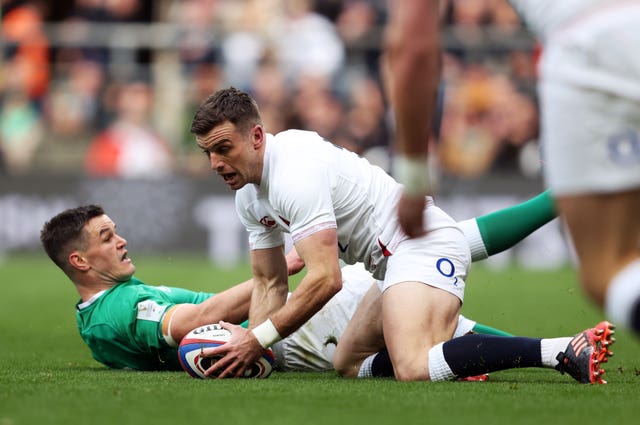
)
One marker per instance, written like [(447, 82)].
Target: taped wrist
[(266, 334), (415, 174)]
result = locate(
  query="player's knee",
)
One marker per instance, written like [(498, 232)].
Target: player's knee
[(410, 370), (346, 366), (410, 374), (347, 370)]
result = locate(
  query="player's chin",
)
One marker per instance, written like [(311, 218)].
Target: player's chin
[(236, 185), (127, 273)]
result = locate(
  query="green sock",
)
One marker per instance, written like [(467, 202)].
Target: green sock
[(504, 228), (488, 330)]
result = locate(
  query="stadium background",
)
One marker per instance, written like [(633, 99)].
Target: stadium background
[(96, 97)]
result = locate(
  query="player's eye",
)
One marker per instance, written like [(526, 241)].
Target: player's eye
[(107, 237), (222, 150)]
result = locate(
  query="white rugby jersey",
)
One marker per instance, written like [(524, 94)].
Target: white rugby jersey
[(593, 44), (545, 16), (308, 185)]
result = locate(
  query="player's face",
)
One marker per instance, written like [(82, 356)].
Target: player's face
[(235, 156), (106, 251)]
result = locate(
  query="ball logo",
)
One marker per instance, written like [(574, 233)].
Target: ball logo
[(212, 331), (192, 346), (201, 364)]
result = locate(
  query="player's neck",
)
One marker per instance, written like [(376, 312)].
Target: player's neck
[(88, 289)]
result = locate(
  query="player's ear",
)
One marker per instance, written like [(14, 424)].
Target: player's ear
[(77, 261), (258, 136)]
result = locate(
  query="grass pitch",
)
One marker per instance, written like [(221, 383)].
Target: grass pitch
[(47, 375)]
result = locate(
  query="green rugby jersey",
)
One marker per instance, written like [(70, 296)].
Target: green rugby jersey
[(123, 325)]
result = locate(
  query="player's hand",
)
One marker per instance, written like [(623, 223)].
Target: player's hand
[(242, 350), (411, 215)]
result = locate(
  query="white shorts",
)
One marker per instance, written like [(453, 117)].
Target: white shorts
[(311, 348), (440, 259), (590, 104)]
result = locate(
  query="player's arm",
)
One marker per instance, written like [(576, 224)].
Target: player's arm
[(412, 55), (412, 68), (231, 305), (321, 282), (270, 289), (413, 62), (271, 283), (497, 231)]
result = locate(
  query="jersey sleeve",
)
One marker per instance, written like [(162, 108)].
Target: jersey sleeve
[(263, 230), (151, 306), (307, 202)]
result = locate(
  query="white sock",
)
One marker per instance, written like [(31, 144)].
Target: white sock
[(365, 367), (474, 238), (439, 369), (622, 294), (550, 347)]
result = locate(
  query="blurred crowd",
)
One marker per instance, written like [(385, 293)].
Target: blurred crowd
[(108, 87)]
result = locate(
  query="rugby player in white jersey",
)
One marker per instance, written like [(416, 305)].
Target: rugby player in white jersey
[(590, 117), (589, 93), (337, 206)]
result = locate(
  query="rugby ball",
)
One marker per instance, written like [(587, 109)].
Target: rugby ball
[(192, 361)]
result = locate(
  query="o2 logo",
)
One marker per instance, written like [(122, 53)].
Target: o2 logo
[(446, 269), (624, 148)]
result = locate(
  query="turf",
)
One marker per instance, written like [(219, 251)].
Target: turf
[(47, 376)]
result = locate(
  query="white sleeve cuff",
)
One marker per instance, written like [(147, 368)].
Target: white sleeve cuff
[(474, 238)]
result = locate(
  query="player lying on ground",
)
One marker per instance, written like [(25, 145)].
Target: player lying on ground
[(125, 322)]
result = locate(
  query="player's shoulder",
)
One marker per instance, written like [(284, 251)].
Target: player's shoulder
[(131, 292), (298, 150), (298, 143), (131, 286), (296, 135)]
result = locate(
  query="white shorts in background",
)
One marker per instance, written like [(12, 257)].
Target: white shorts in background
[(591, 141), (590, 104)]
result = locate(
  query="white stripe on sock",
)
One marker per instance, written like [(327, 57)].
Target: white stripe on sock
[(365, 367), (550, 347), (439, 369)]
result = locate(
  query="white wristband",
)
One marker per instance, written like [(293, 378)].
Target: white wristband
[(266, 334), (415, 174)]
